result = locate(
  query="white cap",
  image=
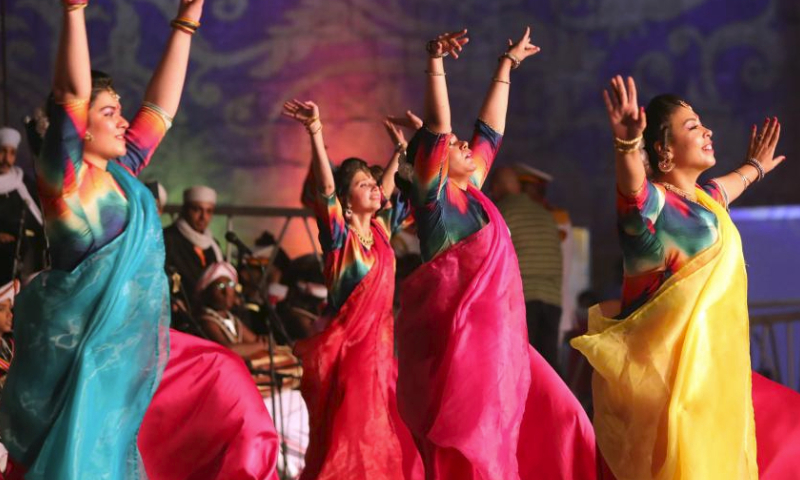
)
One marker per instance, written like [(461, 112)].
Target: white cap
[(200, 193), (9, 137), (9, 291), (524, 170)]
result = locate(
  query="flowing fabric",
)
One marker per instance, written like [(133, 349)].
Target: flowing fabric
[(479, 401), (91, 346), (207, 421), (672, 383), (777, 429), (349, 375)]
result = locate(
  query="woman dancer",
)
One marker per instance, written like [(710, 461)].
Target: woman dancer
[(349, 369), (479, 401), (672, 382), (94, 342)]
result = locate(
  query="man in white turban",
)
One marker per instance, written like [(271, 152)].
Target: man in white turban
[(190, 247), (17, 198)]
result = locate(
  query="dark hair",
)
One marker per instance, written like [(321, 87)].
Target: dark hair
[(377, 172), (101, 82), (343, 177), (658, 113)]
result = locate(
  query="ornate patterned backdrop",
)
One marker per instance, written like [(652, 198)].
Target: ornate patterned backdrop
[(362, 59)]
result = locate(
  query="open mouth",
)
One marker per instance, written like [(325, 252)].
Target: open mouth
[(708, 148)]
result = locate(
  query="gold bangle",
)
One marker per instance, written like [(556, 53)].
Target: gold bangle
[(635, 141), (745, 180), (514, 60), (498, 80), (76, 6), (183, 29), (188, 21), (191, 29), (435, 74), (308, 128), (310, 121)]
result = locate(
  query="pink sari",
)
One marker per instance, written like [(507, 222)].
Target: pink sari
[(349, 376), (480, 402), (207, 420)]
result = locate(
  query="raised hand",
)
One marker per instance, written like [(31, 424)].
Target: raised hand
[(762, 145), (304, 112), (448, 43), (523, 48), (408, 121), (395, 134), (191, 9), (627, 118)]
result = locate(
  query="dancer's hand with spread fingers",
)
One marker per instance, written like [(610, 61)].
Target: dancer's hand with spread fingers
[(762, 144), (628, 122)]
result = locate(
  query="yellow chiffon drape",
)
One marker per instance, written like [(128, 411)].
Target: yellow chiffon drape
[(672, 381)]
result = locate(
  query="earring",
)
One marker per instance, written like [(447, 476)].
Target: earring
[(348, 213), (666, 164), (88, 137)]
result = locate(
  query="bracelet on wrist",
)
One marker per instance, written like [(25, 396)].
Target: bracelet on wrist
[(500, 80), (436, 74), (314, 131), (72, 5), (628, 146), (185, 25), (745, 180), (757, 165), (515, 62)]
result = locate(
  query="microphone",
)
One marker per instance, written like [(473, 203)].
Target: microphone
[(231, 237)]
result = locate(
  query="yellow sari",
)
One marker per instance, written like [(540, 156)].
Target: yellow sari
[(671, 382)]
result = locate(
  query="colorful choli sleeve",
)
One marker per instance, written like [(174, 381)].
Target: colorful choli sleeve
[(145, 133), (62, 149), (394, 217), (330, 221), (637, 214), (717, 192), (429, 159), (484, 145)]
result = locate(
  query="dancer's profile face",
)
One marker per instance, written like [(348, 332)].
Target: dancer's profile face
[(6, 317), (364, 195), (690, 141), (8, 157), (459, 159), (107, 127)]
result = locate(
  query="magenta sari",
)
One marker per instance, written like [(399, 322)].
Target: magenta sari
[(349, 375), (207, 420), (480, 402)]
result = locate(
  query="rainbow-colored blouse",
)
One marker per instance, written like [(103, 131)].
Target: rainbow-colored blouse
[(83, 206), (444, 213), (659, 232)]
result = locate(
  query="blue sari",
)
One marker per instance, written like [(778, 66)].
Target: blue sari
[(92, 344)]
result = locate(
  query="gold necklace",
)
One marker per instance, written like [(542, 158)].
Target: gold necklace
[(672, 188), (367, 242)]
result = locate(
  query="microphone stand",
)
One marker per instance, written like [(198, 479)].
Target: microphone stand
[(17, 265), (273, 323)]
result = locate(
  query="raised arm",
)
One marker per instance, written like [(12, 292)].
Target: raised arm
[(166, 84), (398, 139), (628, 122), (307, 113), (437, 104), (760, 160), (73, 77), (495, 105)]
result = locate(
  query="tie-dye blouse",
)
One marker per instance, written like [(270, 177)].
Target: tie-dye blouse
[(444, 213), (347, 260), (84, 207), (659, 232)]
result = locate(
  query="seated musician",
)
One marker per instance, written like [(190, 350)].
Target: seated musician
[(216, 296)]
